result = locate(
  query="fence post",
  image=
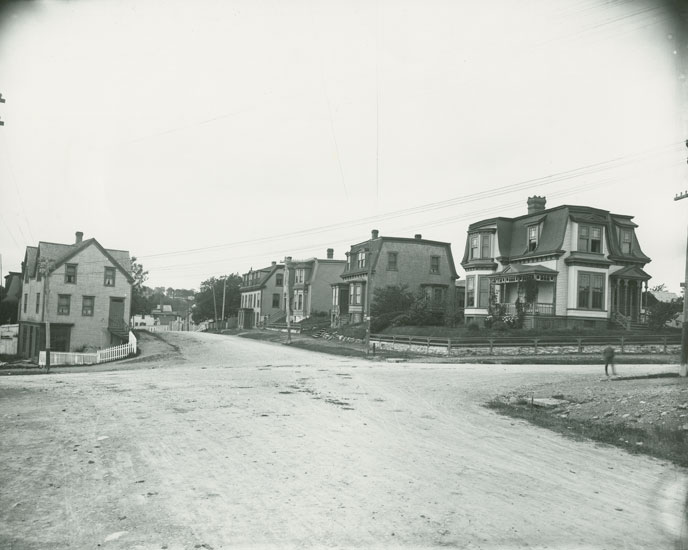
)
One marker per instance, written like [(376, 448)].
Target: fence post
[(580, 345), (449, 346), (491, 345), (427, 349), (622, 344), (536, 343), (665, 343)]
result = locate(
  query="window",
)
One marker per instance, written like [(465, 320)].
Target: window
[(392, 261), (590, 290), (38, 302), (109, 276), (87, 306), (299, 275), (70, 274), (437, 295), (257, 300), (532, 237), (434, 264), (626, 239), (279, 279), (276, 300), (470, 291), (485, 246), (483, 292), (474, 248), (63, 302), (590, 238), (299, 301), (26, 301), (358, 294), (361, 259), (335, 296), (480, 246)]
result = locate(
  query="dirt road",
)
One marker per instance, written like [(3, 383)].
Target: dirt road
[(234, 443)]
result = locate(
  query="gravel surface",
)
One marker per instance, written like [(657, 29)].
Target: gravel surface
[(223, 442)]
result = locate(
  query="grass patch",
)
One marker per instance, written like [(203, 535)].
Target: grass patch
[(660, 442)]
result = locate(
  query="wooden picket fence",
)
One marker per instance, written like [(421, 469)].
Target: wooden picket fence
[(100, 356)]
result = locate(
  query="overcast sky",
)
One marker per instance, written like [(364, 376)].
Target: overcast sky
[(210, 137)]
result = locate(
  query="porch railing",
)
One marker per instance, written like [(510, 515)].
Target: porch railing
[(528, 308)]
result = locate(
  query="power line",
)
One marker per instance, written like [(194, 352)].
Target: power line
[(586, 170)]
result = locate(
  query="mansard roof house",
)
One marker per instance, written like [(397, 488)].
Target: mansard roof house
[(420, 264), (567, 266), (88, 301), (261, 296)]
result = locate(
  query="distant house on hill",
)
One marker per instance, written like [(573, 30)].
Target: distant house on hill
[(89, 296)]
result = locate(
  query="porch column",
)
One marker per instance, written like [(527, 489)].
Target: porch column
[(626, 297), (640, 299), (615, 305)]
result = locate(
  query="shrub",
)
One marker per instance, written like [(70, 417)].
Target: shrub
[(473, 327), (500, 326)]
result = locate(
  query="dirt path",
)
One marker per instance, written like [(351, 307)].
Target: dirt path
[(251, 445)]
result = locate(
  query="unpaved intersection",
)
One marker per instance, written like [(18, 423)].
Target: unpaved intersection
[(242, 444)]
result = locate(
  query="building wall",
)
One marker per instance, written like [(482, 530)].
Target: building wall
[(562, 291), (88, 331), (413, 266), (324, 274)]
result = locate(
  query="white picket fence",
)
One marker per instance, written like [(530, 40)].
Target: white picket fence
[(100, 356)]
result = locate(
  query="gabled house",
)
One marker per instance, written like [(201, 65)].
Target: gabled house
[(566, 266), (88, 296), (261, 296), (309, 282), (422, 265)]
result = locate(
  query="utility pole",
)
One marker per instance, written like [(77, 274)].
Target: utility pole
[(683, 368), (45, 268), (287, 301), (215, 305), (224, 292), (369, 265)]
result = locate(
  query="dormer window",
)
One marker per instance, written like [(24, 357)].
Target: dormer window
[(481, 247), (626, 240), (590, 238), (361, 259), (532, 237)]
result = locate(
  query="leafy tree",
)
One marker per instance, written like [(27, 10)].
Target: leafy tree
[(391, 299), (209, 304), (139, 302), (661, 313)]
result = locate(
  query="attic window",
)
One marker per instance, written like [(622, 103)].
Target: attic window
[(70, 274), (109, 279), (532, 237), (590, 238), (626, 239)]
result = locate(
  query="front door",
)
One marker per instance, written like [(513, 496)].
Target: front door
[(116, 316)]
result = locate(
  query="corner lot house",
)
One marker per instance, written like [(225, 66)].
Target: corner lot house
[(88, 290), (566, 266), (261, 296), (420, 264)]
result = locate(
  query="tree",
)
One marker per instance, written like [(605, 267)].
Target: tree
[(139, 303), (208, 305), (391, 299), (661, 313)]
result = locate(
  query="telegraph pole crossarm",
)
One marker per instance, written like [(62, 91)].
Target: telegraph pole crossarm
[(683, 368)]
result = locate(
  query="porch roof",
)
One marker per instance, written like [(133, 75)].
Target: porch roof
[(518, 272), (631, 272)]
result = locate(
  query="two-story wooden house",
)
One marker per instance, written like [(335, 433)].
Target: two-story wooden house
[(309, 282), (420, 264), (88, 292), (567, 266), (261, 296)]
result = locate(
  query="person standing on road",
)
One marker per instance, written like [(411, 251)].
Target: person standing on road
[(608, 355)]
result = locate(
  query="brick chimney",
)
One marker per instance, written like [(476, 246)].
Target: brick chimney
[(536, 204), (374, 233), (418, 236), (79, 237), (274, 263), (330, 253)]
